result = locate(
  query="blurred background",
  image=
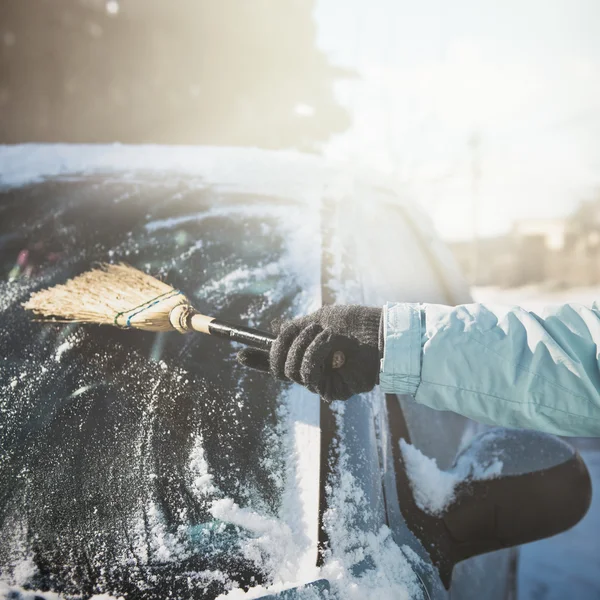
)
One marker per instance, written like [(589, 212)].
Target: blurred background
[(486, 113)]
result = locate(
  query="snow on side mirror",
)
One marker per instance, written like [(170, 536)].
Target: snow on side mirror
[(507, 487)]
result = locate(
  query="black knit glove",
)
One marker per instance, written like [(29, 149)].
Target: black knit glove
[(304, 348)]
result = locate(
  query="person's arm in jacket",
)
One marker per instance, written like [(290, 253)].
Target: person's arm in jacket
[(497, 365)]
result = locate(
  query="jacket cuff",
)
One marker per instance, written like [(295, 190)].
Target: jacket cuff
[(400, 370)]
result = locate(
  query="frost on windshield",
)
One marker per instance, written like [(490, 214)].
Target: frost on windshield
[(134, 463)]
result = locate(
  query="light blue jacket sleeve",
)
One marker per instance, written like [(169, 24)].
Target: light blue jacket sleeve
[(498, 365)]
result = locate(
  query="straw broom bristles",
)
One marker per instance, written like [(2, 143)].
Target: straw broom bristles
[(125, 297), (110, 295)]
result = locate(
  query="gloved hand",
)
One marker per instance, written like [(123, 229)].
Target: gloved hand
[(304, 348)]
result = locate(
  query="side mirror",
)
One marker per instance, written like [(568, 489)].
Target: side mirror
[(536, 486)]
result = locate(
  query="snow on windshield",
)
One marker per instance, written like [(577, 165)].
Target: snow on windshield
[(138, 462)]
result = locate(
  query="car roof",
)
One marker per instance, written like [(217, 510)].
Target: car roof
[(272, 172)]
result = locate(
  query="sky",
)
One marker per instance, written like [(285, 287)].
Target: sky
[(485, 112)]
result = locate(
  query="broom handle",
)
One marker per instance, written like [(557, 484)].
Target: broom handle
[(255, 338), (245, 335), (235, 333)]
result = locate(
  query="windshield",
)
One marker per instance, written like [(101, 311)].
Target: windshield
[(136, 462)]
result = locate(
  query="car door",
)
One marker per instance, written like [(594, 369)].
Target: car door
[(381, 249)]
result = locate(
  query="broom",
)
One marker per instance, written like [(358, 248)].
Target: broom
[(125, 297)]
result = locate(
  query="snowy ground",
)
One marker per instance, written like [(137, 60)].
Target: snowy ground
[(567, 565)]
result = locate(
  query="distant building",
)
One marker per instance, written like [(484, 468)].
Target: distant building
[(563, 252), (495, 264), (538, 247)]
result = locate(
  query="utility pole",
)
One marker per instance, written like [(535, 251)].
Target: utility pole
[(475, 147)]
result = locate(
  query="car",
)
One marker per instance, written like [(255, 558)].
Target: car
[(153, 465)]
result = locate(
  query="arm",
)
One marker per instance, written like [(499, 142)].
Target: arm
[(498, 365)]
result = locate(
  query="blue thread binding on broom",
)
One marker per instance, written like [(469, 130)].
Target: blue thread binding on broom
[(144, 306)]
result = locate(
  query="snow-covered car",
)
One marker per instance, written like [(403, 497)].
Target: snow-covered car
[(143, 465)]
